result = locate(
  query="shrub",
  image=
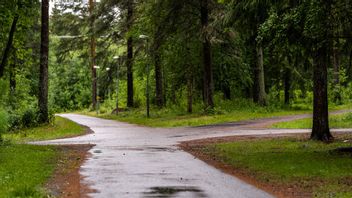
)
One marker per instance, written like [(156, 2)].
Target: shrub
[(3, 122), (29, 118)]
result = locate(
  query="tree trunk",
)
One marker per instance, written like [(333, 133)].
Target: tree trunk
[(259, 72), (207, 59), (13, 76), (226, 91), (320, 129), (336, 57), (8, 46), (190, 85), (129, 62), (287, 85), (92, 56), (43, 76), (158, 73)]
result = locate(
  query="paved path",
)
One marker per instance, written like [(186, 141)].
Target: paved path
[(133, 161)]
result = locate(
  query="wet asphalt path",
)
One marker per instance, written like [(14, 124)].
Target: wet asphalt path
[(134, 161)]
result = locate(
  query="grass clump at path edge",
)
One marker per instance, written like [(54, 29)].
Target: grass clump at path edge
[(312, 167), (25, 169), (61, 128)]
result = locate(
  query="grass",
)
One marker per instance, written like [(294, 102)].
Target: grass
[(224, 111), (312, 166), (335, 121), (24, 169), (61, 128), (175, 116)]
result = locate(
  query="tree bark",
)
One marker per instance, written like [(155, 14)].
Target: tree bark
[(320, 129), (92, 56), (43, 76), (207, 59), (8, 46), (287, 86), (336, 57), (130, 102), (190, 94), (158, 73), (260, 77), (13, 76)]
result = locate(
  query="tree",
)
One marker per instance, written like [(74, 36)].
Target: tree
[(318, 29), (9, 42), (93, 55), (129, 62), (44, 53), (208, 87), (247, 16)]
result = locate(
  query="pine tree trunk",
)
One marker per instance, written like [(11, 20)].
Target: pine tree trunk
[(92, 56), (320, 129), (287, 85), (130, 102), (207, 59), (13, 76), (43, 75), (190, 85), (158, 73), (8, 46), (261, 81), (336, 56)]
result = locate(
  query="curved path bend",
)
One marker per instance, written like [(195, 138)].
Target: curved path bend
[(134, 161)]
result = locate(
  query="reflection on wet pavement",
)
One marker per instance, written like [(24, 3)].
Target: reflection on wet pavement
[(134, 161), (171, 191)]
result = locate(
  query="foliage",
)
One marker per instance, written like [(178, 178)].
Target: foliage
[(3, 123)]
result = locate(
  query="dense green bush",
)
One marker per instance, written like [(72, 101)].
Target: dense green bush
[(3, 122)]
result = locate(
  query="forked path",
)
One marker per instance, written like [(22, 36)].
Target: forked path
[(134, 161)]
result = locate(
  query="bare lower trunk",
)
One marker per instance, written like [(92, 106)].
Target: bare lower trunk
[(287, 85), (320, 129), (336, 57), (207, 59), (92, 57), (13, 76), (158, 74), (261, 81), (43, 75), (130, 102), (190, 88)]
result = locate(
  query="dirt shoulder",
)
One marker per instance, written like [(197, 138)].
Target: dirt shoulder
[(196, 147), (66, 179)]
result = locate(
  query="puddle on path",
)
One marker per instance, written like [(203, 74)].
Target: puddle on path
[(171, 191)]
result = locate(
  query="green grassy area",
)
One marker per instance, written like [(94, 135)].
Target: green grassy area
[(335, 121), (312, 166), (61, 128), (138, 117), (24, 169), (225, 111), (176, 116)]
